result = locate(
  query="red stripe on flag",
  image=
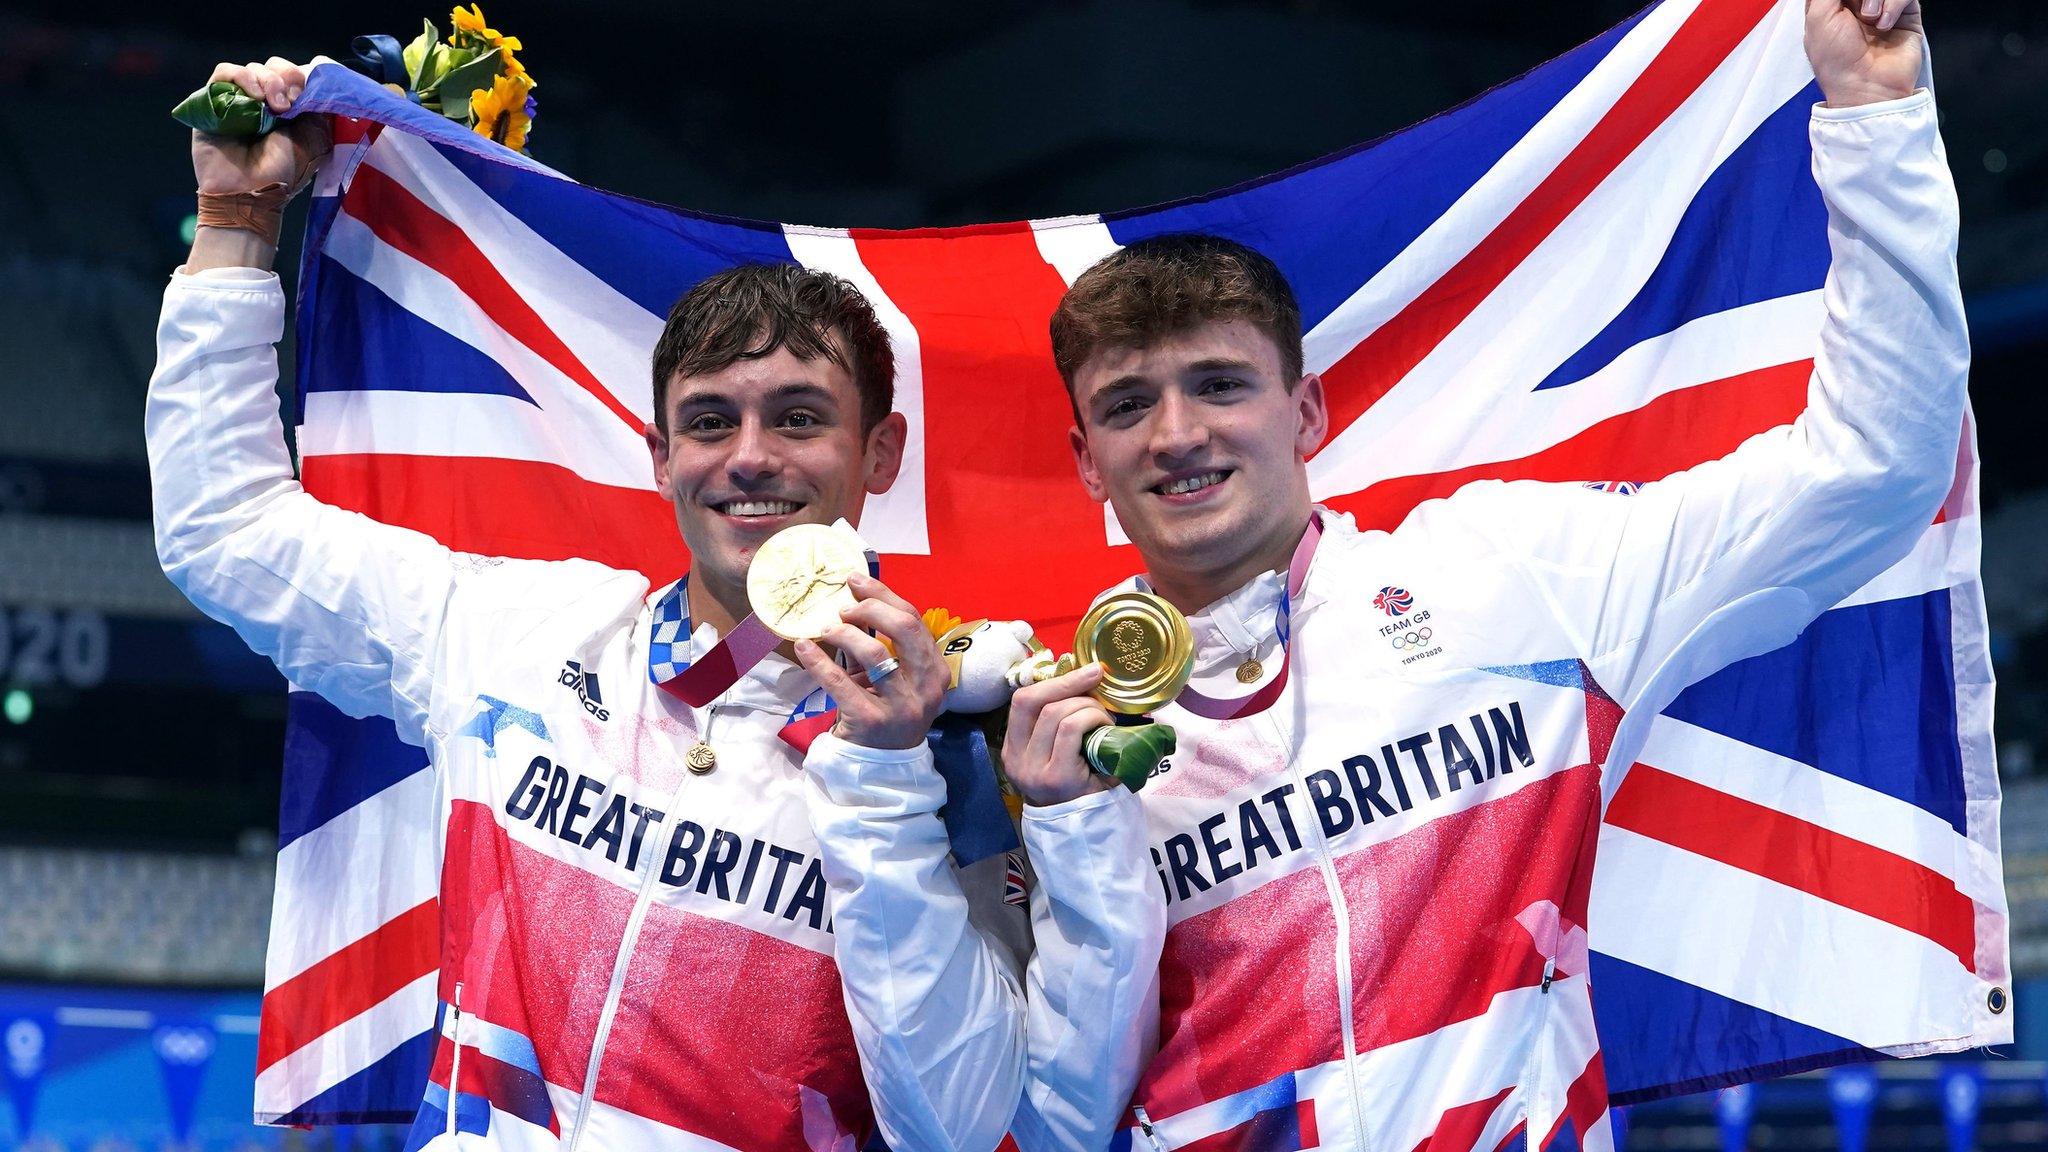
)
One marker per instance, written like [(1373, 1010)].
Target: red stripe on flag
[(348, 130), (1585, 1102), (1957, 503), (1459, 1128), (1781, 847), (1676, 431), (1380, 361), (520, 509), (348, 983), (1012, 532), (405, 222)]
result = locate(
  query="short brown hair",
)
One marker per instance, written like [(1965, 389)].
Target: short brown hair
[(750, 310), (1164, 285)]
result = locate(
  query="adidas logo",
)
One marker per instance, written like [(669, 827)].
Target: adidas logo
[(585, 684)]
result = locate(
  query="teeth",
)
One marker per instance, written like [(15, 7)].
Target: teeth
[(1192, 483), (760, 507)]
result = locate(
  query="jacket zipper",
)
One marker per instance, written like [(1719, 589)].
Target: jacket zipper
[(1340, 908), (628, 944), (455, 1063)]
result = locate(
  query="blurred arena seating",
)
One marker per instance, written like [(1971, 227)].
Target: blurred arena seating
[(77, 342), (74, 562), (2026, 873), (134, 917)]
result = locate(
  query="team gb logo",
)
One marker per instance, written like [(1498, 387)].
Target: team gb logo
[(1394, 601)]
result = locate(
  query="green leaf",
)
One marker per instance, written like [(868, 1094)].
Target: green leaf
[(433, 70), (416, 53), (1132, 753), (223, 109), (455, 87)]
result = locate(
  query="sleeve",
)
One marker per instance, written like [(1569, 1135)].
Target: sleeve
[(1098, 925), (937, 1013), (344, 606), (1734, 557)]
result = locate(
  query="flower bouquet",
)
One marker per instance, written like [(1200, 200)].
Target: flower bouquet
[(473, 77)]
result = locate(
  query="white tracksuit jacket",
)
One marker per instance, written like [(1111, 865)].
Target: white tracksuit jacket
[(1378, 887), (645, 958)]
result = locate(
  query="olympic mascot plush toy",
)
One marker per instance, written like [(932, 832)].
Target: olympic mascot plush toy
[(990, 659)]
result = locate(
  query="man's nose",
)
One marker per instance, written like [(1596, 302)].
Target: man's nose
[(1177, 426), (754, 454)]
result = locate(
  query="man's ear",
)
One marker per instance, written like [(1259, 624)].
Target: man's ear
[(884, 454), (1084, 462), (1314, 414), (657, 448)]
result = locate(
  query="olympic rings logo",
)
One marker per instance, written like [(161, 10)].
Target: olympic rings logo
[(1415, 638), (186, 1046)]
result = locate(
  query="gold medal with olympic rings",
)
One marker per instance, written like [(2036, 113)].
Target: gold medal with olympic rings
[(1145, 644)]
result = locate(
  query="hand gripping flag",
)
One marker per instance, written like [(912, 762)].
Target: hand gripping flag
[(1603, 272)]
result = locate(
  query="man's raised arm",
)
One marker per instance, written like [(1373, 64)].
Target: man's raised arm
[(1734, 557), (344, 606)]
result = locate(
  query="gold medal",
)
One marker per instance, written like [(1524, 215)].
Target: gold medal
[(700, 759), (1250, 671), (797, 582), (1145, 644)]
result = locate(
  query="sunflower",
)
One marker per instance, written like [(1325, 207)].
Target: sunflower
[(471, 31), (501, 111), (938, 622)]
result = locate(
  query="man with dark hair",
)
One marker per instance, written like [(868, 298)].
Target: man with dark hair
[(750, 310), (1377, 837), (643, 891)]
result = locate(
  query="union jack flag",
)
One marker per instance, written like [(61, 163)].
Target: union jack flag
[(1016, 889), (1394, 601), (1609, 267)]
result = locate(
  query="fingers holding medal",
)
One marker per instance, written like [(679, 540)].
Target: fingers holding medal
[(894, 700), (1135, 654), (1049, 723)]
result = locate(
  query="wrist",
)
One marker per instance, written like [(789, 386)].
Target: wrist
[(880, 740), (1089, 785), (1851, 94), (229, 248)]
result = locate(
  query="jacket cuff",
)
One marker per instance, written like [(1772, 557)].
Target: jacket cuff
[(1073, 837), (1917, 99), (1079, 806), (846, 769), (228, 279)]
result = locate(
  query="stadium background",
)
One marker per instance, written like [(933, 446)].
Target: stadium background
[(139, 742)]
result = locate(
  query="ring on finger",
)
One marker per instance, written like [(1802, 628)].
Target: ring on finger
[(882, 670)]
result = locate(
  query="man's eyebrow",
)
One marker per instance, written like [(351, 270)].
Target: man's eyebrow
[(797, 388), (1220, 364), (1122, 383), (794, 389)]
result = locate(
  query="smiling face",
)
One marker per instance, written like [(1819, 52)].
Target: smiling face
[(1198, 439), (757, 445)]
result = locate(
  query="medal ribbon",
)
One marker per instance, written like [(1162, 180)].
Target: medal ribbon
[(700, 683), (1224, 708), (750, 641), (732, 657)]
